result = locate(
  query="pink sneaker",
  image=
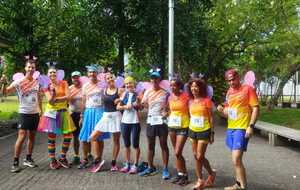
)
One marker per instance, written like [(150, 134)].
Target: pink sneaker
[(114, 168), (54, 165), (125, 169), (133, 169), (97, 166)]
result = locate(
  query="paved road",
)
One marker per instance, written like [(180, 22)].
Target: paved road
[(270, 168)]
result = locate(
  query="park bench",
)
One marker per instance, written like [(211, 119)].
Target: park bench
[(277, 132)]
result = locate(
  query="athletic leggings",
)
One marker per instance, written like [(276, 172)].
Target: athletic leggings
[(65, 145)]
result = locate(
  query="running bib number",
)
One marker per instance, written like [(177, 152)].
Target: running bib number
[(156, 120), (197, 121), (30, 99), (51, 114), (174, 121), (232, 113)]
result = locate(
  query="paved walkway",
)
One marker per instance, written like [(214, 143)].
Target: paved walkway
[(268, 167)]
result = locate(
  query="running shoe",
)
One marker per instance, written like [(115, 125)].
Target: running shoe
[(183, 181), (148, 172), (199, 185), (15, 168), (165, 174), (133, 169), (97, 166), (76, 160), (90, 158), (54, 165), (126, 168), (64, 163), (142, 166), (114, 168), (29, 162), (84, 164), (236, 186), (176, 178)]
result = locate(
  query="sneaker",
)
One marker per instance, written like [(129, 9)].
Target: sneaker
[(84, 164), (29, 162), (133, 169), (176, 178), (210, 180), (236, 186), (165, 174), (142, 166), (54, 165), (64, 163), (15, 168), (148, 172), (199, 185), (126, 168), (76, 160), (114, 168), (97, 166), (183, 181)]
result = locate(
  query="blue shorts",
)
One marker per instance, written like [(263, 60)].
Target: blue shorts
[(236, 140)]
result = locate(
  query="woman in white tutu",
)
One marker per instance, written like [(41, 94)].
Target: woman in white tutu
[(111, 120)]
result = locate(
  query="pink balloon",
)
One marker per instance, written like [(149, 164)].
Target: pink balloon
[(18, 76), (36, 74), (84, 79), (119, 82), (60, 74), (249, 78)]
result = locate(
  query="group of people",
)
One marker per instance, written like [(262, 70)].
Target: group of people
[(91, 114)]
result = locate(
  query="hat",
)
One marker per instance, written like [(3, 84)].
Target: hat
[(92, 68), (129, 79), (155, 74), (76, 73), (230, 74)]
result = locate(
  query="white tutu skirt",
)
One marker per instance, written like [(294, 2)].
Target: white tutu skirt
[(110, 122)]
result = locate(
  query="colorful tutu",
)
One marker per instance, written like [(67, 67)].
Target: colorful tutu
[(110, 122), (91, 117), (59, 122)]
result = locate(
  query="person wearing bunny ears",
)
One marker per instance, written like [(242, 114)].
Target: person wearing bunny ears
[(56, 119), (30, 105), (92, 112), (155, 99), (241, 109), (75, 107)]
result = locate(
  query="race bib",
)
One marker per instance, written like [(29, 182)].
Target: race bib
[(30, 99), (174, 121), (197, 121), (232, 113), (156, 120), (51, 114), (96, 99)]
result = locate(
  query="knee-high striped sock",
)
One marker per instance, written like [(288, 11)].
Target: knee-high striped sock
[(66, 145), (51, 146)]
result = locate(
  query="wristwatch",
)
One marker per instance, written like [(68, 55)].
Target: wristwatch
[(252, 126)]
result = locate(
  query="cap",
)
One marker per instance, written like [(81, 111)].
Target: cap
[(75, 73), (92, 68), (155, 74)]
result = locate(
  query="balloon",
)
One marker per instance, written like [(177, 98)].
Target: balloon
[(84, 79), (18, 76), (60, 74), (36, 74), (249, 78), (119, 82)]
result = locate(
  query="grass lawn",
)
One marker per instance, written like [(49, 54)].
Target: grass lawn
[(288, 117), (9, 108)]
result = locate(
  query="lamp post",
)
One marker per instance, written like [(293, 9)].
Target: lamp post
[(171, 38)]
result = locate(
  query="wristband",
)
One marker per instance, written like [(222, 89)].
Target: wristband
[(252, 126)]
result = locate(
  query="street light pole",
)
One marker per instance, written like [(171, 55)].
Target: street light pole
[(171, 38)]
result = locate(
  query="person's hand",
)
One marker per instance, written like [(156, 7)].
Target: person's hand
[(249, 132), (220, 108), (129, 106)]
